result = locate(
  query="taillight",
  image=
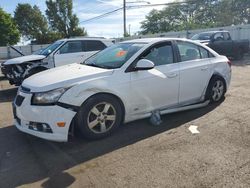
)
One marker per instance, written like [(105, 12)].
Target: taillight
[(229, 63)]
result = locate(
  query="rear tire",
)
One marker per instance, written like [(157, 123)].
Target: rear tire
[(99, 116), (216, 90)]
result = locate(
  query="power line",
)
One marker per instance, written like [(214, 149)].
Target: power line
[(102, 15), (134, 6)]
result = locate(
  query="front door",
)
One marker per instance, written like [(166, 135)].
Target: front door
[(157, 88), (70, 52)]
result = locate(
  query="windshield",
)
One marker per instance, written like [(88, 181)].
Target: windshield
[(114, 56), (202, 36), (50, 48)]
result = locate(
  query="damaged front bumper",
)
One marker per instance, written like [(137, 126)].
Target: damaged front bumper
[(12, 73)]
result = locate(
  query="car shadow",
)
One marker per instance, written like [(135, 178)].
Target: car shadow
[(54, 158), (8, 95)]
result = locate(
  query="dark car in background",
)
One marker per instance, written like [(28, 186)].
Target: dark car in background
[(222, 43)]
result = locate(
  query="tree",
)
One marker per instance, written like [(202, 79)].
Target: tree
[(194, 14), (30, 20), (33, 24), (242, 9), (62, 19), (234, 12), (9, 33)]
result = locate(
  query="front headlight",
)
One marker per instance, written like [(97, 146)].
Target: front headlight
[(49, 97)]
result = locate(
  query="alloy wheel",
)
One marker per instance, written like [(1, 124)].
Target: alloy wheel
[(101, 117), (217, 90)]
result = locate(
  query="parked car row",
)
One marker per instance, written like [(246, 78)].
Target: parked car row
[(121, 83), (62, 52)]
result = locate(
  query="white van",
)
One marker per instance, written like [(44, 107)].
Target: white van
[(61, 52)]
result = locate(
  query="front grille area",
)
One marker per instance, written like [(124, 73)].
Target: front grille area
[(19, 100)]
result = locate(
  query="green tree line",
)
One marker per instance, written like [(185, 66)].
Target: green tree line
[(194, 14), (29, 22)]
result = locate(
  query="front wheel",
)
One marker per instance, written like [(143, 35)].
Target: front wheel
[(99, 116), (216, 90), (34, 71)]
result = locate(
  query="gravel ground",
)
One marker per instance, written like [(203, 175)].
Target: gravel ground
[(138, 154)]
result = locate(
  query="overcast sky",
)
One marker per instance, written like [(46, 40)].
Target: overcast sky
[(110, 26)]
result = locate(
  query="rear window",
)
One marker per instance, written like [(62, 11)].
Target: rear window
[(93, 45)]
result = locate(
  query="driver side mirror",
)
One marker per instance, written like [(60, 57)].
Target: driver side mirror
[(144, 64)]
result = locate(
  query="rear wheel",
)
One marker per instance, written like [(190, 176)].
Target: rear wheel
[(216, 89), (99, 116)]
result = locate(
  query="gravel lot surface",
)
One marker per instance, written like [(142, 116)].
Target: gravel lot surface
[(138, 154)]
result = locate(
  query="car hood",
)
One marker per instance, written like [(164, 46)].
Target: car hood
[(64, 76), (24, 59)]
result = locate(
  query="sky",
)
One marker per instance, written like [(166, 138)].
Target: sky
[(110, 26)]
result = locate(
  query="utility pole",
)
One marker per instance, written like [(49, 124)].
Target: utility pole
[(124, 18), (129, 29)]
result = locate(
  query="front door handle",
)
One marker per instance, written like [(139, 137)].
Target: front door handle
[(204, 68), (172, 75)]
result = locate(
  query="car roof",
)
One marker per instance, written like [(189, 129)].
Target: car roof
[(149, 40), (214, 32), (86, 38)]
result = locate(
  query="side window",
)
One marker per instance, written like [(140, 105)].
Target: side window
[(71, 47), (188, 51), (226, 36), (204, 53), (93, 45), (218, 37), (160, 54), (210, 55)]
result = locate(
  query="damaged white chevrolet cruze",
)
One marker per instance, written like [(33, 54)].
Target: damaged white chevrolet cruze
[(125, 82)]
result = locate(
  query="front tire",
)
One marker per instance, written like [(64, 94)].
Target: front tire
[(99, 116), (34, 71), (216, 90)]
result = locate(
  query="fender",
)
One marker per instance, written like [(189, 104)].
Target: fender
[(84, 91)]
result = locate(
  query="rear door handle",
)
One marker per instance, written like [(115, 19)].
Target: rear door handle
[(172, 75), (204, 68)]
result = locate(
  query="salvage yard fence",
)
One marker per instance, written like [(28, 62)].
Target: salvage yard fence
[(7, 52), (237, 32)]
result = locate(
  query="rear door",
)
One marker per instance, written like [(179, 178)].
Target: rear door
[(195, 71)]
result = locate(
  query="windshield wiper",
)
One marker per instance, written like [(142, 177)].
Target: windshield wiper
[(99, 66)]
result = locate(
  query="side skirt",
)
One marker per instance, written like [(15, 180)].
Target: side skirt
[(168, 111), (183, 108)]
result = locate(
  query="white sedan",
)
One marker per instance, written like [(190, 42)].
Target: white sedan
[(125, 82)]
